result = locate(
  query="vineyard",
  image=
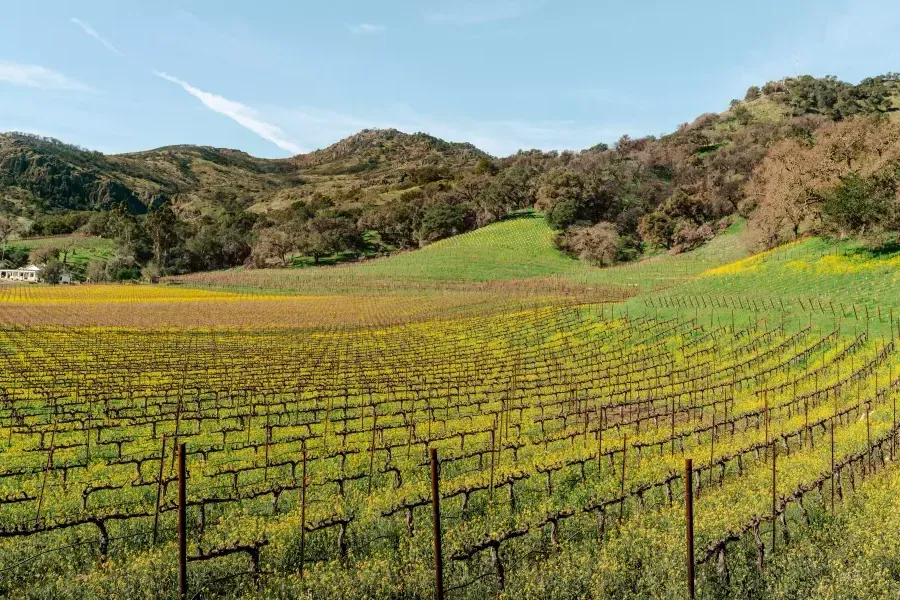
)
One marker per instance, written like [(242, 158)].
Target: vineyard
[(292, 436)]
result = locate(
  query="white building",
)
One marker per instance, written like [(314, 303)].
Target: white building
[(31, 273)]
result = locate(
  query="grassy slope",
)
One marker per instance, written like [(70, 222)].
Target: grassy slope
[(846, 281), (515, 250), (83, 249), (810, 282)]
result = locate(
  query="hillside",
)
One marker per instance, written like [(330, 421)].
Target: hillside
[(518, 251), (41, 174), (44, 175), (385, 192)]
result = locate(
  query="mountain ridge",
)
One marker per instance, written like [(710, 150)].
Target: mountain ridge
[(52, 175)]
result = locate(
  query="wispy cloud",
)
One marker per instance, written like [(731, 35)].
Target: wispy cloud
[(37, 76), (366, 28), (483, 11), (93, 33), (242, 114)]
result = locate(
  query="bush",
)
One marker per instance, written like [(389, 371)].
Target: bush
[(58, 224), (52, 271), (598, 244), (563, 214), (122, 268), (444, 220), (42, 256), (14, 257), (688, 235), (860, 206)]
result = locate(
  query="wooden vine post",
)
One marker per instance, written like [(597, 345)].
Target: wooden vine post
[(436, 510), (303, 513), (182, 524), (774, 495), (622, 485), (832, 465), (47, 469), (493, 455), (689, 520), (869, 435), (159, 486)]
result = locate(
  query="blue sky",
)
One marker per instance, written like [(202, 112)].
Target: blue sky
[(275, 78)]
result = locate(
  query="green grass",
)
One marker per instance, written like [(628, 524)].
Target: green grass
[(82, 249), (517, 250), (814, 281), (664, 270), (522, 248)]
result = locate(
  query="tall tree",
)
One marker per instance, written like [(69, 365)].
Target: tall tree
[(163, 228)]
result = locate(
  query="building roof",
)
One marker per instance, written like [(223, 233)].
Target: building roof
[(31, 268)]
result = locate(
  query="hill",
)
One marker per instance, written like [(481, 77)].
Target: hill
[(45, 175), (518, 251), (383, 191)]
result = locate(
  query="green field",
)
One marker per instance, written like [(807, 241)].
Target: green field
[(562, 425), (82, 249), (517, 249)]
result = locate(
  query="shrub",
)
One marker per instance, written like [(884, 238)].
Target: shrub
[(598, 244)]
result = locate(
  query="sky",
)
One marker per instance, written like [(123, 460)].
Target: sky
[(278, 78)]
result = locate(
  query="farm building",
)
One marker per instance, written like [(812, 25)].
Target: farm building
[(31, 273)]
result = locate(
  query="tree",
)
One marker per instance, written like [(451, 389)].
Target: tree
[(563, 214), (42, 256), (398, 220), (130, 237), (220, 240), (66, 247), (324, 236), (164, 229), (598, 244), (122, 268), (8, 227), (789, 189), (95, 271), (16, 257), (485, 166), (274, 243), (445, 219), (742, 114), (561, 185), (752, 93), (859, 206), (52, 271), (511, 190), (657, 229)]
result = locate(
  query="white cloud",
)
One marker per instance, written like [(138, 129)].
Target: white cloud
[(366, 28), (483, 11), (242, 114), (38, 77), (93, 33)]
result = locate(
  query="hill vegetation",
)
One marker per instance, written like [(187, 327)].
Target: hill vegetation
[(798, 156)]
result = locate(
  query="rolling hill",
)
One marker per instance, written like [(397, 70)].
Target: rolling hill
[(44, 175)]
